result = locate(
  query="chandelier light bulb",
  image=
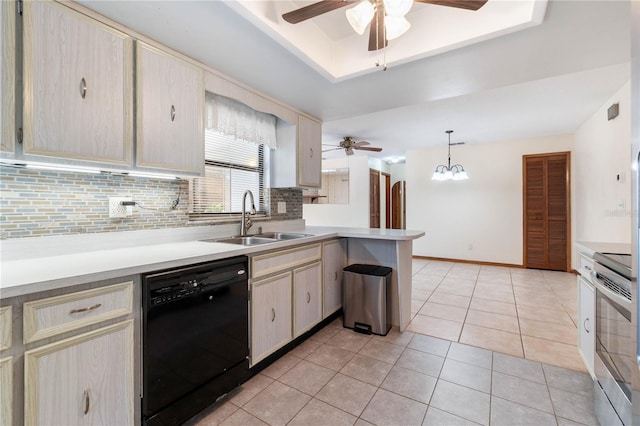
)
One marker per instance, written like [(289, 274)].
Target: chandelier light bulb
[(396, 26), (360, 16)]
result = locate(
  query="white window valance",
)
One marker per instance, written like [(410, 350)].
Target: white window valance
[(239, 121)]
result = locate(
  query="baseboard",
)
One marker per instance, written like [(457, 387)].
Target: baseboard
[(475, 262)]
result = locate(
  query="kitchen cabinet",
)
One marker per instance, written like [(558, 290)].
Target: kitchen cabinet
[(307, 297), (586, 321), (6, 321), (86, 379), (8, 77), (78, 92), (55, 315), (270, 315), (6, 396), (169, 107), (309, 152), (297, 161), (334, 259)]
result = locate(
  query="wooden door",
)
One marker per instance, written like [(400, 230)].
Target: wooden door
[(374, 198), (398, 201), (546, 199), (387, 200)]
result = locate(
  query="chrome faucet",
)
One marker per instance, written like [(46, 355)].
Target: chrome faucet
[(246, 219)]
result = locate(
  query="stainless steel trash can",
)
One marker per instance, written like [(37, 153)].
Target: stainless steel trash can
[(366, 295)]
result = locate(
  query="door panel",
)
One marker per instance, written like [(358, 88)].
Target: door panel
[(546, 211), (374, 198)]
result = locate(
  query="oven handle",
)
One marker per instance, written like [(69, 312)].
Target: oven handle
[(623, 301)]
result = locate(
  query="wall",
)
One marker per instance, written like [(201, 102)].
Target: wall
[(42, 202), (356, 212), (602, 150), (478, 219)]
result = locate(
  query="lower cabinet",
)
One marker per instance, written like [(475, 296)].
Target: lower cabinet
[(86, 379), (6, 396), (334, 259), (307, 296), (586, 325), (270, 315)]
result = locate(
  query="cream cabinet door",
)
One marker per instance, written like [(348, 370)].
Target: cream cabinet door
[(78, 95), (587, 322), (83, 380), (309, 152), (307, 297), (7, 78), (6, 395), (270, 315), (334, 259), (169, 105)]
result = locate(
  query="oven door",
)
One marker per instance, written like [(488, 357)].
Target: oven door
[(614, 358)]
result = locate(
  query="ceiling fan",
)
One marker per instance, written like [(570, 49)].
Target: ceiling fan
[(377, 37), (348, 144)]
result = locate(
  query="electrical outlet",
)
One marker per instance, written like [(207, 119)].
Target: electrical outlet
[(282, 207), (116, 209)]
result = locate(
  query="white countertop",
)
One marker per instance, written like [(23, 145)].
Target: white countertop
[(30, 265), (590, 247)]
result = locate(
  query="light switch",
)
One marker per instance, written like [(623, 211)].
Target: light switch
[(282, 207)]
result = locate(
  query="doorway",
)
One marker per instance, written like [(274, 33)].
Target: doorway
[(374, 198), (398, 202), (547, 211)]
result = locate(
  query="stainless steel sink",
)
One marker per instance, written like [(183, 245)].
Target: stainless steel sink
[(245, 241), (283, 235)]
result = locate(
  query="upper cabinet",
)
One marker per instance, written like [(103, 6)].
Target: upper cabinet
[(169, 102), (77, 86), (8, 77), (297, 161), (309, 152)]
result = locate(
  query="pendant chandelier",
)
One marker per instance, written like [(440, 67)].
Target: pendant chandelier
[(449, 172)]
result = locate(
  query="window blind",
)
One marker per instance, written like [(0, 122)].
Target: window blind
[(231, 167)]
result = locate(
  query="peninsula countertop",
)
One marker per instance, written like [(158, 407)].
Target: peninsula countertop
[(31, 265)]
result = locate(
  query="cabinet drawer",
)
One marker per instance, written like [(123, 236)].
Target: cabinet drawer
[(55, 315), (5, 327), (273, 262)]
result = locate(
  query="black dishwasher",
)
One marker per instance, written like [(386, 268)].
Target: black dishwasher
[(195, 338)]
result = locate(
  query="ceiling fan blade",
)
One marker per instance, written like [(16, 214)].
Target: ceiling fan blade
[(365, 148), (376, 31), (361, 143), (460, 4), (332, 149), (314, 10)]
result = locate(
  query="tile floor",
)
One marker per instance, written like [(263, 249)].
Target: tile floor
[(521, 312), (413, 378)]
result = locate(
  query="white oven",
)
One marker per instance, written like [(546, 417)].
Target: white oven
[(615, 339)]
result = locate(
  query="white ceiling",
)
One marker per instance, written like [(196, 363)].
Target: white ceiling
[(544, 80)]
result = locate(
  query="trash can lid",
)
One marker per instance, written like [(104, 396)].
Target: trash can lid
[(376, 270)]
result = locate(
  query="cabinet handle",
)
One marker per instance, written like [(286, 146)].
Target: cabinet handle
[(87, 309), (87, 402), (584, 324), (173, 113), (83, 88), (308, 297), (273, 315), (310, 152), (335, 276)]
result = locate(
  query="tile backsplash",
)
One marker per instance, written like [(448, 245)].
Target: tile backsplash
[(43, 202)]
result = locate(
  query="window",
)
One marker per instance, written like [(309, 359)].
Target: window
[(235, 156)]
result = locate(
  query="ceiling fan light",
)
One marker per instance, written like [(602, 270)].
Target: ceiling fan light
[(397, 8), (396, 26), (360, 16)]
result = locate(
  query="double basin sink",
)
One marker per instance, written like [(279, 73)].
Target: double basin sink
[(264, 238)]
